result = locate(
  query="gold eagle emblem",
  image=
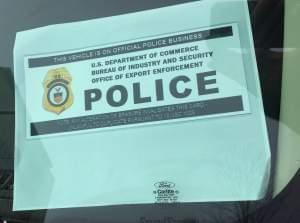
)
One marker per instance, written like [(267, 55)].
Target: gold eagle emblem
[(58, 95)]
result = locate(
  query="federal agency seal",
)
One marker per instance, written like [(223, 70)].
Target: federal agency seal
[(58, 95)]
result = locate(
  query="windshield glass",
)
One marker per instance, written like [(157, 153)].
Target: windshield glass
[(149, 111)]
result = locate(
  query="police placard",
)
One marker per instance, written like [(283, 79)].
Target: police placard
[(147, 107), (172, 77)]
